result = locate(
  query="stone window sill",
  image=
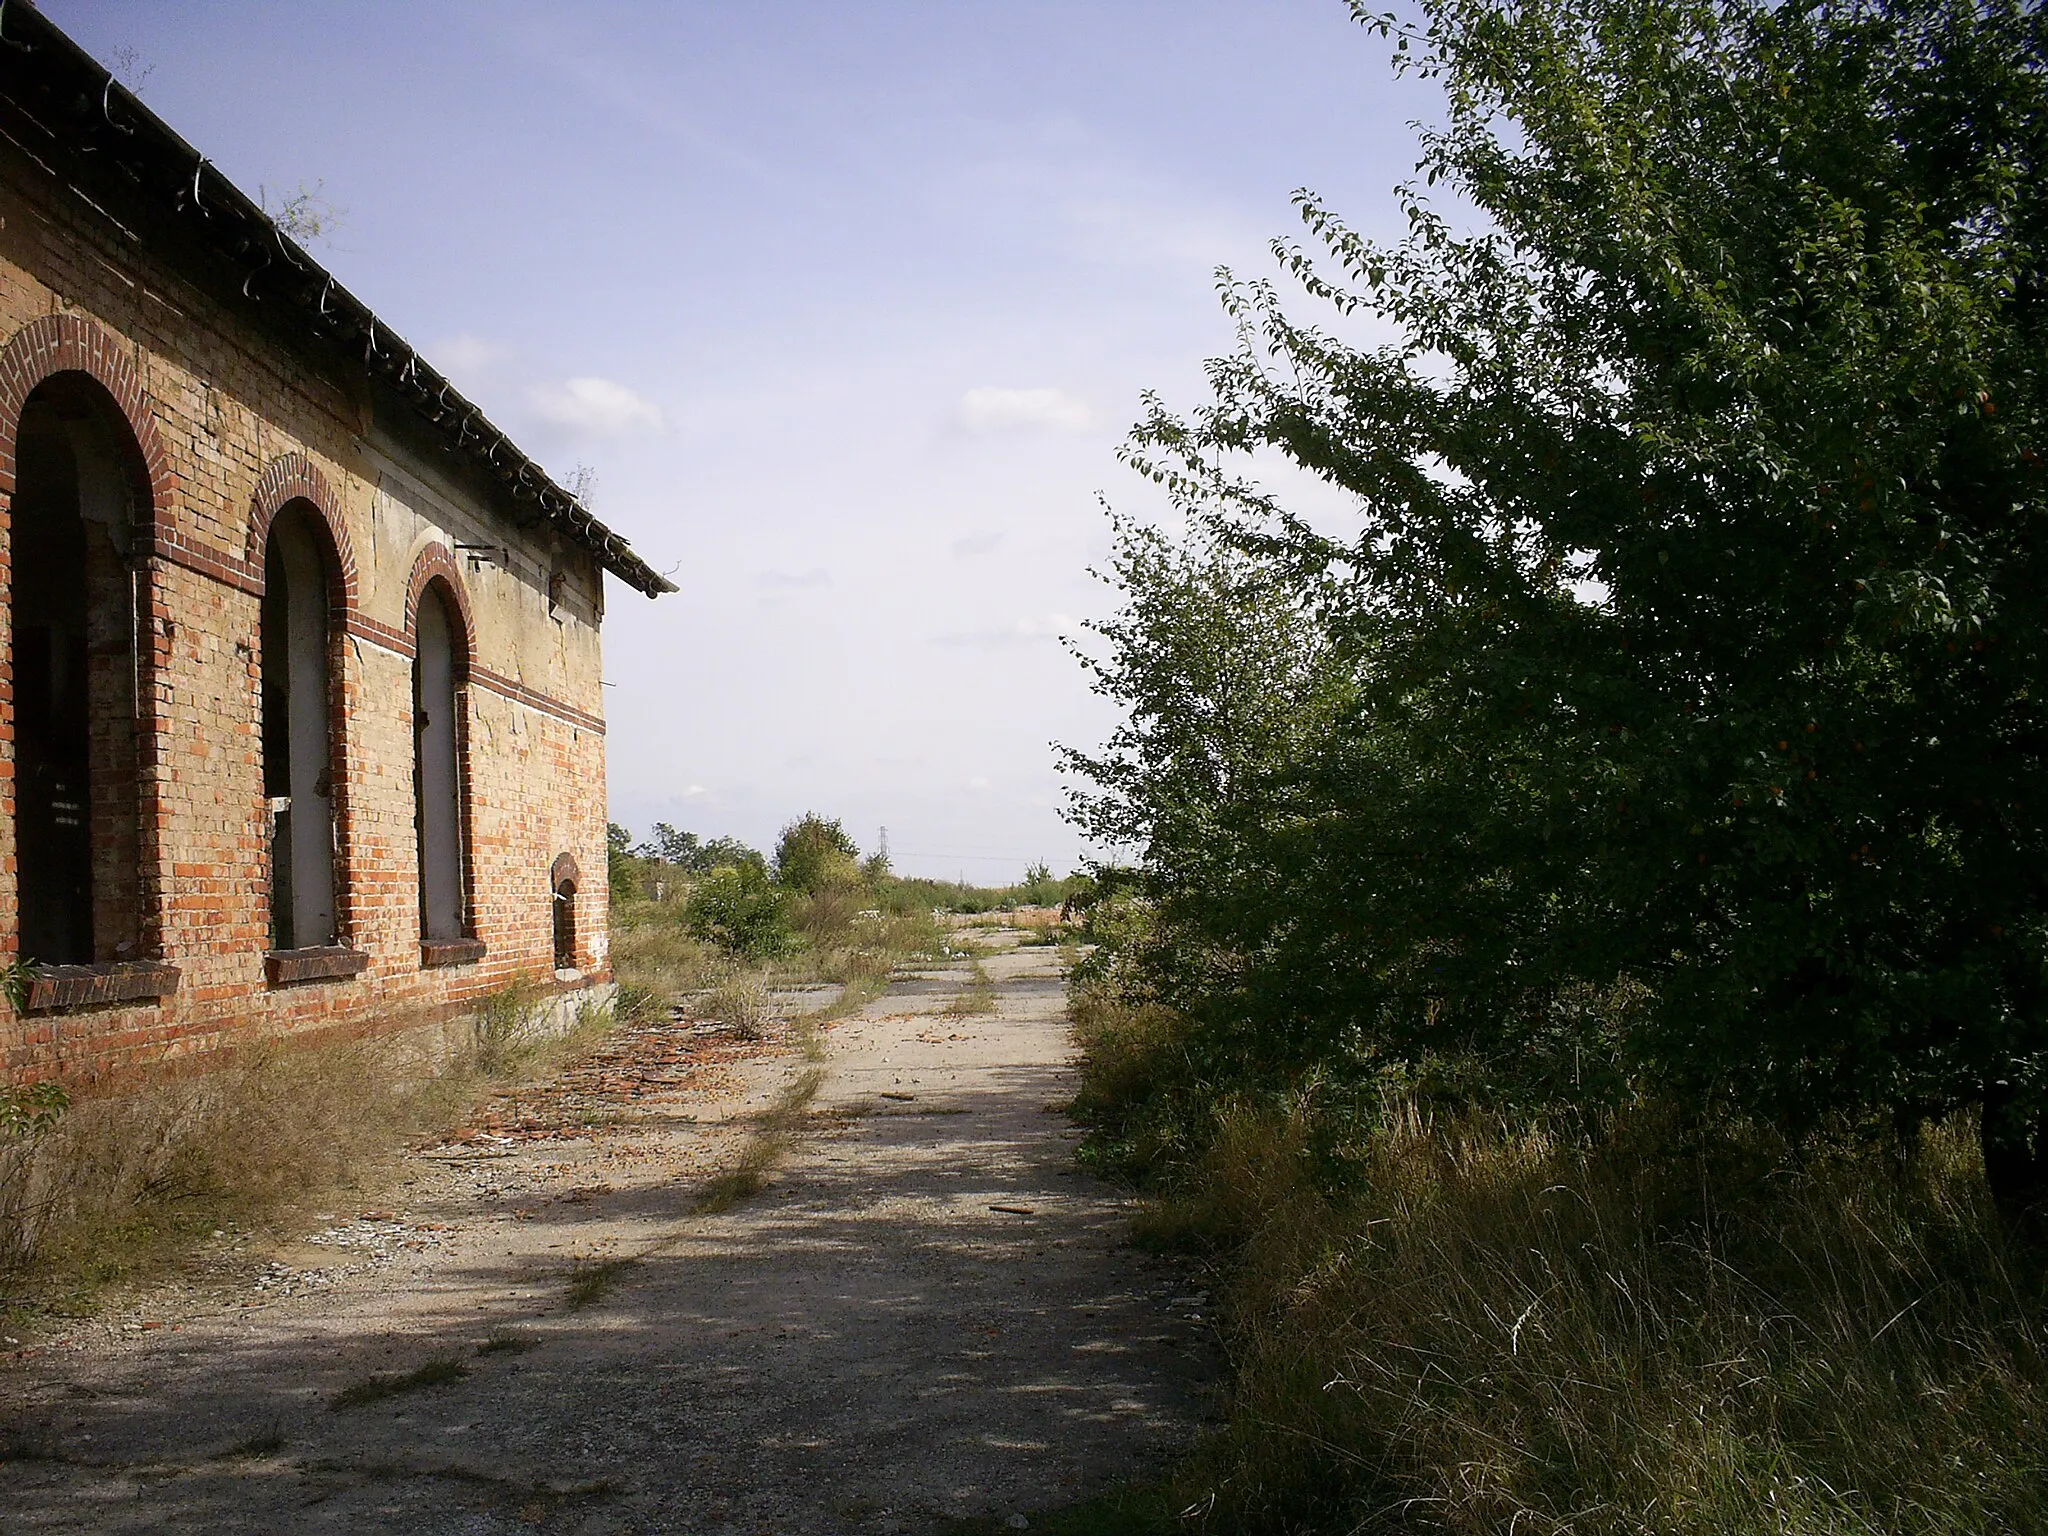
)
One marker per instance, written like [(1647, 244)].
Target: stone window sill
[(439, 952), (97, 986), (327, 962)]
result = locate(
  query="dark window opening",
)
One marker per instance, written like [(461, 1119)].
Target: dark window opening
[(565, 925), (78, 851), (298, 768), (437, 771)]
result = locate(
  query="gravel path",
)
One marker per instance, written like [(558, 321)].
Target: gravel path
[(928, 1313)]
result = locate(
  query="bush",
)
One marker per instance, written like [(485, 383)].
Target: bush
[(816, 855), (742, 911), (1689, 631), (741, 1003)]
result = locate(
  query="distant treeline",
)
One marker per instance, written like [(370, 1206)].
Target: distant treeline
[(812, 852)]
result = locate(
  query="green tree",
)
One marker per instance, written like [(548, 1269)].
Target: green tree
[(681, 849), (1694, 631), (622, 869), (815, 854)]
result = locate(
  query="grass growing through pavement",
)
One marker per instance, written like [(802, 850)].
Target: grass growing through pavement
[(438, 1372), (265, 1442), (593, 1280), (764, 1148), (978, 996)]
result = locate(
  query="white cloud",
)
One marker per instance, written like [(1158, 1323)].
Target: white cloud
[(598, 406), (468, 356), (989, 409)]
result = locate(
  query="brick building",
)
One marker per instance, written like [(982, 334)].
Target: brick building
[(300, 712)]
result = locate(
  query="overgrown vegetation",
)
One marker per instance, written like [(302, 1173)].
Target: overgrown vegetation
[(1586, 974), (688, 915)]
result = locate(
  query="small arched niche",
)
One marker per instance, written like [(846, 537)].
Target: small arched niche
[(562, 884), (75, 545), (298, 749)]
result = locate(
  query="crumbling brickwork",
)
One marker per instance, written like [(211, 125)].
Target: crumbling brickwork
[(218, 421)]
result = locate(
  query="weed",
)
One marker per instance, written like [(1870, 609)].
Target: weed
[(506, 1029), (593, 1280), (1506, 1328), (741, 1004), (265, 1442), (764, 1148), (654, 953), (438, 1372), (978, 996), (505, 1344)]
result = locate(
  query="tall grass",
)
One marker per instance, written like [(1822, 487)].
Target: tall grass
[(653, 950), (1478, 1325), (124, 1181)]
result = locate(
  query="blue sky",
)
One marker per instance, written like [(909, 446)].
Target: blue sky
[(847, 306)]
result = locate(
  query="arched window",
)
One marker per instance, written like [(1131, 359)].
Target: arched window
[(75, 544), (298, 755), (437, 775), (562, 882)]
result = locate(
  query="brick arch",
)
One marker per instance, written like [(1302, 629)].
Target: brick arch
[(55, 344), (43, 349), (288, 479), (564, 868), (293, 477), (433, 564)]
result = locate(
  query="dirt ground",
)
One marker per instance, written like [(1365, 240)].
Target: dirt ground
[(927, 1313)]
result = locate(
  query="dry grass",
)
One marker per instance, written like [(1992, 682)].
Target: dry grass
[(437, 1372), (977, 997), (125, 1183), (1466, 1324), (593, 1280), (764, 1148), (652, 951), (843, 941), (1490, 1330), (741, 1004)]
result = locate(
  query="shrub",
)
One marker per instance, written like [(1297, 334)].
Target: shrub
[(743, 912), (815, 854)]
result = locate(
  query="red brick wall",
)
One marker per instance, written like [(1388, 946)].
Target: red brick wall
[(231, 424)]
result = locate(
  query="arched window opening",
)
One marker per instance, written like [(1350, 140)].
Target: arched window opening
[(298, 758), (74, 542), (565, 925), (437, 776)]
